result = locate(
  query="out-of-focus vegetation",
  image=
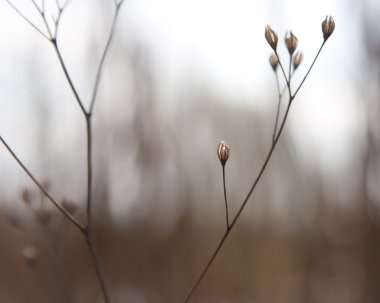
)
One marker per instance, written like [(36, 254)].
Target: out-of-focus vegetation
[(305, 236)]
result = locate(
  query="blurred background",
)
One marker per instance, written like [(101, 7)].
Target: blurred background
[(180, 76)]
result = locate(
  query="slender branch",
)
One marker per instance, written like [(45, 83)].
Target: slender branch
[(281, 66), (273, 146), (206, 268), (98, 270), (256, 181), (40, 10), (225, 196), (278, 107), (27, 20), (43, 190), (311, 66), (89, 170), (52, 37), (58, 5), (227, 232), (68, 77), (43, 6), (287, 80), (290, 66), (101, 63)]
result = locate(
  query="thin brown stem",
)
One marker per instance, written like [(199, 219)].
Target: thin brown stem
[(27, 20), (89, 170), (101, 63), (40, 10), (227, 232), (68, 77), (311, 66), (43, 190), (278, 107), (257, 179), (98, 270), (225, 196), (290, 66), (287, 80), (52, 37), (206, 268)]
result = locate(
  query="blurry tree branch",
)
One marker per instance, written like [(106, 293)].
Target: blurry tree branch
[(52, 36)]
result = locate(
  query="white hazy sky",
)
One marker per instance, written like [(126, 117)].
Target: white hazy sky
[(221, 43)]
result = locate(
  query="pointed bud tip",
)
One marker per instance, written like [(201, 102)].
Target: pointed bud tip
[(328, 27), (291, 42), (223, 152), (271, 37)]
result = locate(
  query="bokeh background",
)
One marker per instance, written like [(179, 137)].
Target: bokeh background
[(181, 76)]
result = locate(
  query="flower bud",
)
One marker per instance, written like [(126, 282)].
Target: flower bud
[(328, 26), (297, 59), (273, 60), (291, 42), (271, 37), (223, 152)]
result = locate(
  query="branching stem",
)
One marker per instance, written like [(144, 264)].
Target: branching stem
[(52, 37), (43, 190), (275, 140), (227, 232)]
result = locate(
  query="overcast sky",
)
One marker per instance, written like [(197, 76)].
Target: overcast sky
[(218, 42)]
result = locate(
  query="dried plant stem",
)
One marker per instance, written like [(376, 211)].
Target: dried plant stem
[(52, 37), (104, 54), (97, 267), (225, 196), (287, 80), (27, 20), (278, 107), (290, 67), (43, 190), (311, 66), (275, 140), (89, 172), (227, 232)]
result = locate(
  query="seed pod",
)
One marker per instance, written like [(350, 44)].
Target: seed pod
[(328, 26), (297, 59), (271, 36), (273, 60), (223, 152), (291, 42)]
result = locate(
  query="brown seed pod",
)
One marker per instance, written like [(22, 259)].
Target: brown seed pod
[(271, 36), (223, 152), (273, 60), (297, 59), (328, 26), (291, 42)]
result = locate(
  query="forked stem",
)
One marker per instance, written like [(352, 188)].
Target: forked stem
[(74, 221), (227, 232), (52, 37), (257, 179)]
